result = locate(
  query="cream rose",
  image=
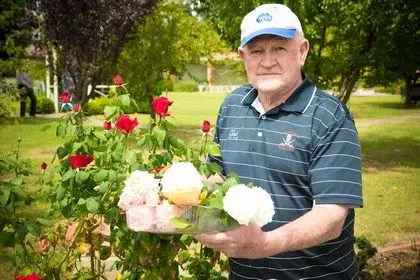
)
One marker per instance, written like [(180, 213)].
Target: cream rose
[(182, 184)]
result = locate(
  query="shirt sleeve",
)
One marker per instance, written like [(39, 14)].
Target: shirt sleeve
[(335, 168)]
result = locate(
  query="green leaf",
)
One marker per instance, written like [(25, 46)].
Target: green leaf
[(61, 130), (33, 229), (100, 135), (4, 195), (125, 100), (159, 134), (101, 176), (61, 152), (60, 192), (110, 112), (180, 223), (7, 239), (68, 175), (213, 149), (102, 187), (45, 222), (81, 176), (92, 205)]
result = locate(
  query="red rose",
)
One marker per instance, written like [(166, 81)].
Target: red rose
[(32, 276), (205, 127), (107, 125), (118, 80), (44, 166), (76, 107), (64, 96), (161, 105), (80, 160), (125, 124)]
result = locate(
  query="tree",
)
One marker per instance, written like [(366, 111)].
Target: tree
[(350, 40), (89, 35), (168, 40), (15, 34)]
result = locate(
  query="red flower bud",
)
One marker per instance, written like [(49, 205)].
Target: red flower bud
[(161, 105), (118, 80), (44, 166), (205, 127), (125, 124), (107, 125), (76, 107), (80, 160)]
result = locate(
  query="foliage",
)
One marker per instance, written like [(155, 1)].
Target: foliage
[(349, 39), (168, 40), (89, 41), (13, 227), (88, 194), (96, 106), (15, 35), (44, 105), (185, 86), (364, 251)]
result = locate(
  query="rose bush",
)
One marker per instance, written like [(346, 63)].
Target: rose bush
[(104, 206)]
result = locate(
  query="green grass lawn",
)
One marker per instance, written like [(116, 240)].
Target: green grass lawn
[(390, 136)]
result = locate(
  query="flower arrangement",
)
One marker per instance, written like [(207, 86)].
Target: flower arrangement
[(120, 187)]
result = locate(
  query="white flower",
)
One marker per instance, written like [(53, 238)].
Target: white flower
[(140, 188), (182, 184), (249, 205), (264, 207)]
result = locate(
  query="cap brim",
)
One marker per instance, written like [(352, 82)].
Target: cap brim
[(281, 32)]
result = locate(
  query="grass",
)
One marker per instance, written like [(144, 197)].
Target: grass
[(390, 136)]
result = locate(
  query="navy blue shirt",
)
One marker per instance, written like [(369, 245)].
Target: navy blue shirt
[(303, 152)]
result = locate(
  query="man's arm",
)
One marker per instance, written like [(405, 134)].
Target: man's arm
[(323, 223)]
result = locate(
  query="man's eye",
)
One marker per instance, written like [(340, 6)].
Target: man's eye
[(279, 49), (257, 51)]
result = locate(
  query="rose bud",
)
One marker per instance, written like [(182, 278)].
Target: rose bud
[(205, 127), (125, 124), (161, 105)]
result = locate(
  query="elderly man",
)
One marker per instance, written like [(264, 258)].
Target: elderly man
[(284, 134)]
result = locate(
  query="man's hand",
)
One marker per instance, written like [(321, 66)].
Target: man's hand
[(244, 242)]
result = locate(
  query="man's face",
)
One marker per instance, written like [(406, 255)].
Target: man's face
[(274, 64)]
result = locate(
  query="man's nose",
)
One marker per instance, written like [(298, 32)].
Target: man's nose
[(268, 60)]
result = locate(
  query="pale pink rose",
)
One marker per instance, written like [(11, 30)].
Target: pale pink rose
[(164, 213), (141, 218), (151, 198), (130, 199)]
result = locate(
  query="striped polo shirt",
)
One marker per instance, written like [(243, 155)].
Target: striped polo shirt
[(303, 152)]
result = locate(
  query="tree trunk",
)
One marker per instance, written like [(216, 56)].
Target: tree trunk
[(317, 66), (348, 83)]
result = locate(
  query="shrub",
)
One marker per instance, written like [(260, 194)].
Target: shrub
[(44, 105), (185, 86), (8, 107), (96, 106)]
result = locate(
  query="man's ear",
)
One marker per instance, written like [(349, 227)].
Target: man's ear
[(303, 51), (241, 52)]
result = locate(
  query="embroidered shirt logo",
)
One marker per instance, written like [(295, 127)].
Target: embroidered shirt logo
[(233, 134), (264, 17), (287, 142)]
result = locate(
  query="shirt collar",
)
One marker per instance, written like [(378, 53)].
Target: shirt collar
[(298, 102)]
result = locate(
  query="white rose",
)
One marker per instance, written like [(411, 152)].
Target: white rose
[(248, 205), (182, 183), (140, 188), (264, 206), (238, 203)]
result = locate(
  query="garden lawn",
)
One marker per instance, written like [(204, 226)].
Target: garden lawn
[(390, 136)]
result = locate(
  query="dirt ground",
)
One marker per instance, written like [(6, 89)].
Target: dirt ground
[(394, 264)]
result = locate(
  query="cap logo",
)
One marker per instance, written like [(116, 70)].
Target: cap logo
[(264, 17)]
